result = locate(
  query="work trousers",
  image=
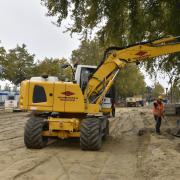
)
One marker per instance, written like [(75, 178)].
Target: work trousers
[(158, 123)]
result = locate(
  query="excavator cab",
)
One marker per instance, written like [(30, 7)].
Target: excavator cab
[(82, 76)]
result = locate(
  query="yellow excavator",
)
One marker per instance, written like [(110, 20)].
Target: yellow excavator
[(65, 109)]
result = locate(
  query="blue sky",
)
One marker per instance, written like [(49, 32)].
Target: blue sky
[(24, 21)]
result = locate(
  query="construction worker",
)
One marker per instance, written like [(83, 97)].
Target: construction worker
[(158, 111)]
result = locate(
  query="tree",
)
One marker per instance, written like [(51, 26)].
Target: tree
[(117, 21), (174, 93), (17, 64), (89, 53), (158, 90), (121, 22), (148, 93), (52, 67), (2, 57), (129, 81)]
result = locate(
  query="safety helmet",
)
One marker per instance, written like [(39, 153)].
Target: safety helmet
[(160, 97)]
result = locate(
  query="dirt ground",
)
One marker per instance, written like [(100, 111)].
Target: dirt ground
[(124, 155)]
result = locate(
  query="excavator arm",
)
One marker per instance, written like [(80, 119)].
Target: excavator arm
[(116, 58)]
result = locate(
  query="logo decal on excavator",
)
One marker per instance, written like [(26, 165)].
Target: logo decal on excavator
[(141, 53), (66, 97), (68, 93)]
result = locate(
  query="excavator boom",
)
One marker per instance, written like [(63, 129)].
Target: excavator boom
[(116, 58)]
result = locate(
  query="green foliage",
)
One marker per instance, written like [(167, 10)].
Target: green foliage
[(2, 57), (135, 19), (17, 64), (158, 90), (89, 53), (129, 81), (52, 67), (174, 93), (122, 22)]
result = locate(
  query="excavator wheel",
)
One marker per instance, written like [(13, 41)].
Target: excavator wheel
[(107, 114), (90, 134), (33, 138), (106, 130)]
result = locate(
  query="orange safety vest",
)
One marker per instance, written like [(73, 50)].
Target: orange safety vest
[(158, 111), (161, 108)]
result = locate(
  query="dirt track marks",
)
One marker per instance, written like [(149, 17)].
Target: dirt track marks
[(123, 156)]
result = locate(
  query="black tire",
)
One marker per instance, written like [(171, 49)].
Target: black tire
[(33, 138), (106, 130), (90, 134), (107, 114)]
